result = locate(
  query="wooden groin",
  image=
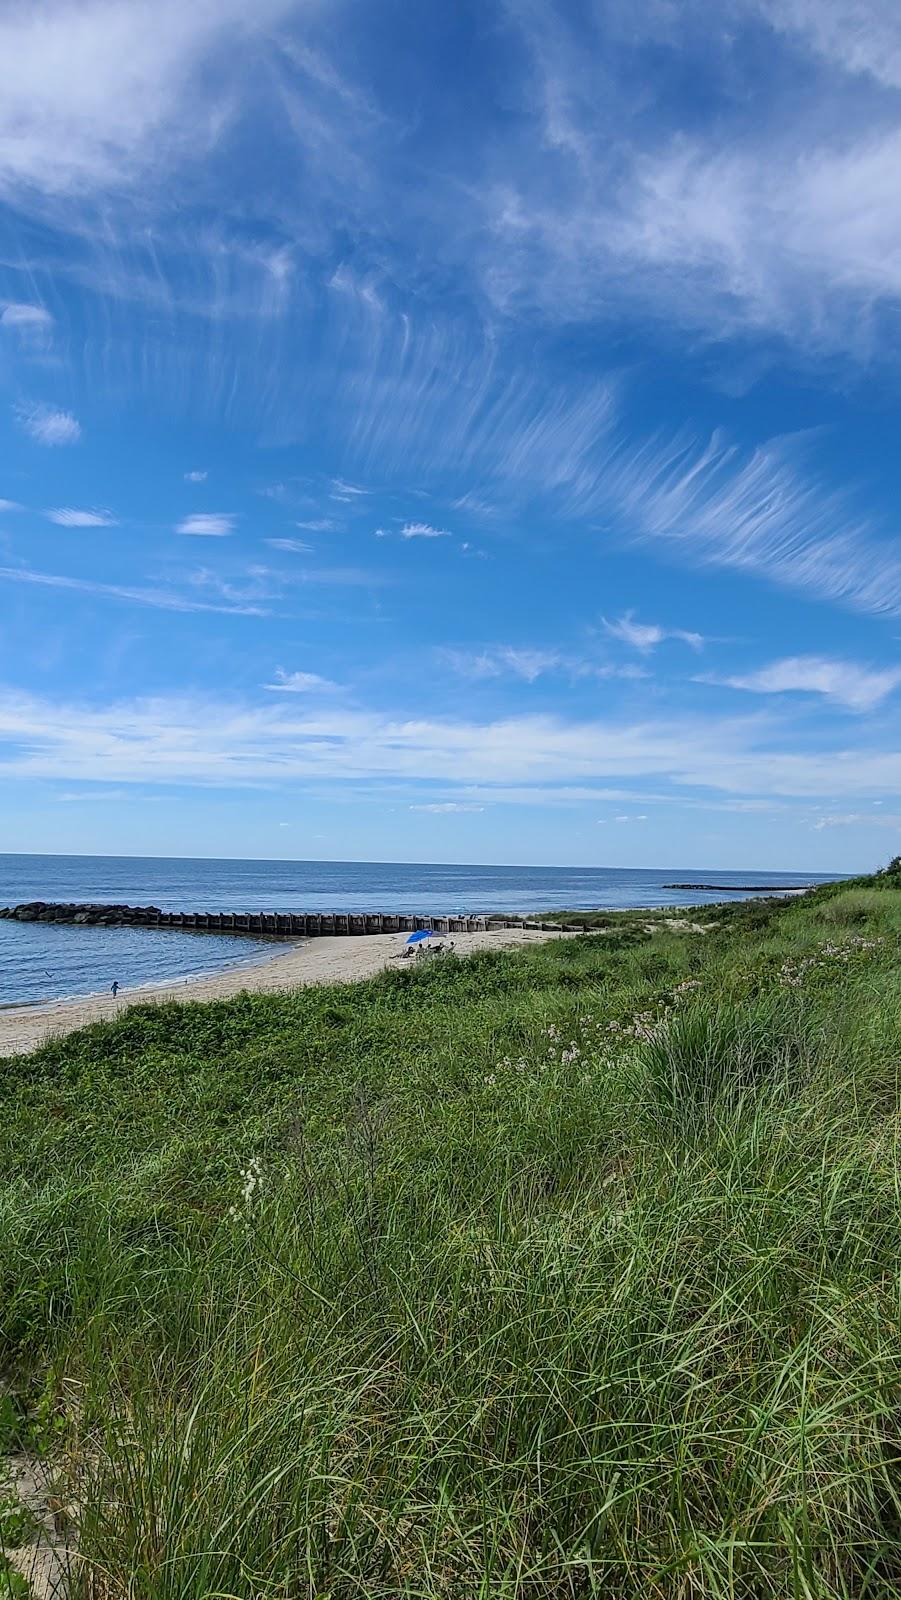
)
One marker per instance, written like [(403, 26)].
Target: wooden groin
[(262, 924)]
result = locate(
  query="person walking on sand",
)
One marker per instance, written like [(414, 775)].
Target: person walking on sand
[(114, 989)]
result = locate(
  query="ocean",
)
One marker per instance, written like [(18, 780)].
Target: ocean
[(40, 962)]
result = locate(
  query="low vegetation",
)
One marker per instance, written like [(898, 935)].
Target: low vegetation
[(568, 1272)]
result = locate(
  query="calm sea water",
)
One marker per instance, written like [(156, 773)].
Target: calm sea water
[(38, 962)]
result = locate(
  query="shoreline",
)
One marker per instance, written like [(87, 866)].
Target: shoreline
[(138, 991), (333, 959)]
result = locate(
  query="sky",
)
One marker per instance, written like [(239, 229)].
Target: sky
[(452, 433)]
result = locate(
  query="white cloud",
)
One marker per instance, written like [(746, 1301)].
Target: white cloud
[(104, 89), (859, 36), (529, 664), (346, 491), (254, 586), (568, 794), (502, 660), (843, 682), (804, 240), (285, 738), (423, 530), (646, 636), (208, 524), (90, 796), (49, 427), (196, 477), (67, 517), (352, 577), (319, 525), (295, 547), (445, 807), (10, 505), (783, 223), (862, 819), (158, 599), (414, 530), (32, 323), (640, 818), (298, 682)]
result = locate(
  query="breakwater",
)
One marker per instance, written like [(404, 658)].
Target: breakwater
[(746, 888), (262, 924)]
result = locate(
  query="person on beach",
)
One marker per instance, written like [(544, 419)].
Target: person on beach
[(114, 989)]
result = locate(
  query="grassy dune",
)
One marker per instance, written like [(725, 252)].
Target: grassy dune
[(575, 1271)]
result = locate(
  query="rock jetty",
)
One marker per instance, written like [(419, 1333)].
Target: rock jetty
[(746, 888), (261, 924)]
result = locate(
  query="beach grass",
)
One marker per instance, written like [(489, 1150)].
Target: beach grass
[(574, 1271)]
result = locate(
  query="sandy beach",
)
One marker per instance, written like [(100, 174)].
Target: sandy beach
[(332, 960)]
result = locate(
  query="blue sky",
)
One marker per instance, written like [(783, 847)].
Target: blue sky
[(452, 433)]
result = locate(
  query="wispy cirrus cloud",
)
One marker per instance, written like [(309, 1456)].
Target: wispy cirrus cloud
[(349, 577), (844, 683), (68, 517), (208, 524), (646, 636), (582, 203), (502, 660), (47, 426), (294, 547), (196, 477), (766, 511), (10, 505), (770, 511), (784, 226), (759, 512), (773, 227), (529, 664), (859, 819), (138, 594), (247, 589), (348, 492)]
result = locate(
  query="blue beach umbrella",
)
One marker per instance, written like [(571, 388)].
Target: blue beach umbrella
[(417, 938)]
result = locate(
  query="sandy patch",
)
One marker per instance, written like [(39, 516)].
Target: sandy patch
[(45, 1555), (338, 960)]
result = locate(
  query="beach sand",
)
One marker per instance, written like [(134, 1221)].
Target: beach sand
[(338, 960)]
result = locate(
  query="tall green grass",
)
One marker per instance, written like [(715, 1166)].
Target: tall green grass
[(563, 1273)]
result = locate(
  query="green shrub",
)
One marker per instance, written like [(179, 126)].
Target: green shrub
[(711, 1049), (854, 907)]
